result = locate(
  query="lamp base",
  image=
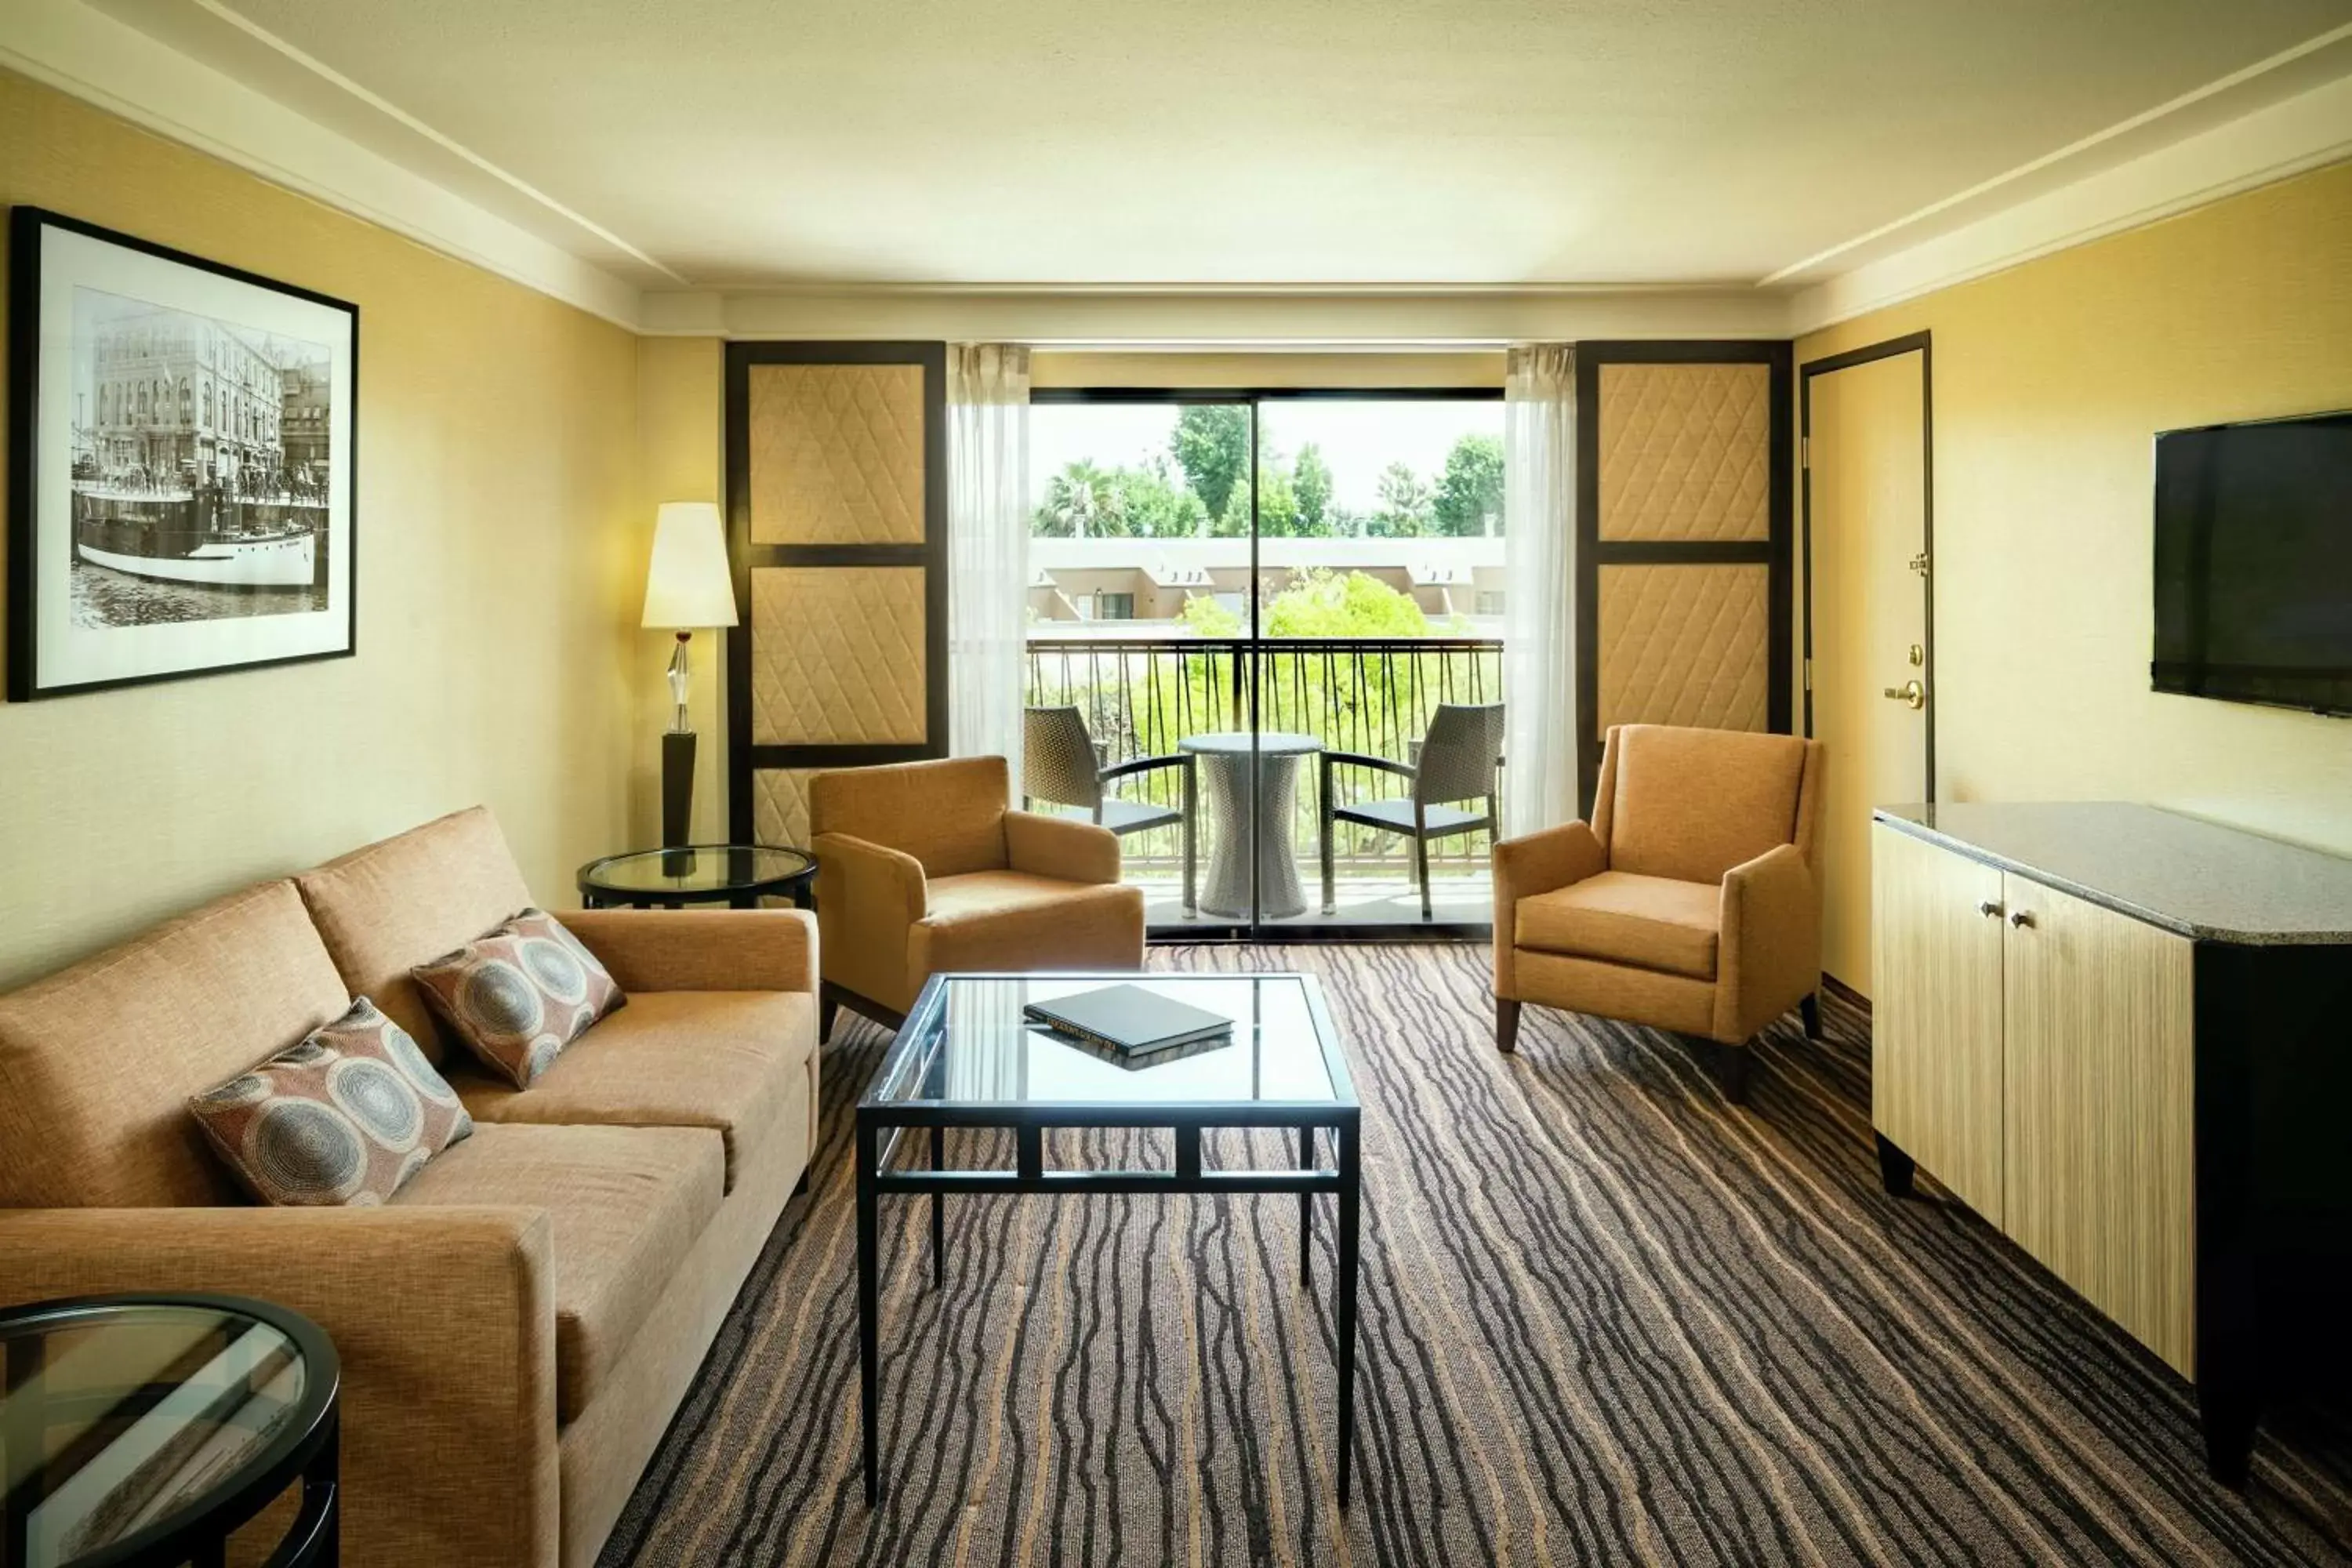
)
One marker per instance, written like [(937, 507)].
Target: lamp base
[(677, 788)]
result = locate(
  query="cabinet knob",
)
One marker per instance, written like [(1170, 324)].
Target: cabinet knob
[(2020, 917), (1989, 908)]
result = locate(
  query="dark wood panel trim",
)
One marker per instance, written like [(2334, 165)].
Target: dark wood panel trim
[(745, 758), (1684, 551), (844, 755), (1776, 550)]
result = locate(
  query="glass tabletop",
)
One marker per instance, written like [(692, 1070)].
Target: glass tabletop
[(699, 868), (114, 1419), (972, 1046)]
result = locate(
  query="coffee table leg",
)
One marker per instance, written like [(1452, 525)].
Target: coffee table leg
[(869, 1359), (1349, 1198), (938, 1222), (1307, 1210)]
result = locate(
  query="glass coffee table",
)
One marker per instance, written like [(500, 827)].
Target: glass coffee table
[(967, 1057), (145, 1429)]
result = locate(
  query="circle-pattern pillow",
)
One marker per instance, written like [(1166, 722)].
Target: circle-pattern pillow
[(346, 1116), (518, 995)]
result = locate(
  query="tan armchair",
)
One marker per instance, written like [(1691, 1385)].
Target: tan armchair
[(922, 869), (1692, 901)]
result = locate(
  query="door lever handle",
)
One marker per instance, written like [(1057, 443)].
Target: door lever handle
[(1911, 694)]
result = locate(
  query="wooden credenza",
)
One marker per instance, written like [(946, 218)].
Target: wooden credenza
[(2124, 1037)]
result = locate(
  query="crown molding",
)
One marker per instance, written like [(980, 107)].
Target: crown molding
[(2275, 141), (1254, 316), (94, 56)]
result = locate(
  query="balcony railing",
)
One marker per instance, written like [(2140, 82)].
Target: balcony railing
[(1141, 697)]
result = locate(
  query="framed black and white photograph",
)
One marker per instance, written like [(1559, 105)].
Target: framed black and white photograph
[(181, 464)]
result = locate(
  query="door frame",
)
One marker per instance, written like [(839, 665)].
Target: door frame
[(1922, 344), (1593, 552)]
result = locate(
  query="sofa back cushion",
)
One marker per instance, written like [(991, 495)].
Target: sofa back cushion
[(947, 814), (1693, 803), (97, 1062), (409, 899)]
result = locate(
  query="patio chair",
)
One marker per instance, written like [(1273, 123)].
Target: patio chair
[(1456, 762), (1060, 763)]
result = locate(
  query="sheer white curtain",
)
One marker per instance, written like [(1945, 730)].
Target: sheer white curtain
[(988, 549), (1540, 598)]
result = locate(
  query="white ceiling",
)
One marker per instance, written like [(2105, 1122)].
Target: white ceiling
[(730, 144)]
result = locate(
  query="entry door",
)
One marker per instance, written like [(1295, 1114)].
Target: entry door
[(1870, 696)]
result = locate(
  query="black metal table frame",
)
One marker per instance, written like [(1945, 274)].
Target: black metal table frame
[(307, 1451), (799, 887), (881, 1125)]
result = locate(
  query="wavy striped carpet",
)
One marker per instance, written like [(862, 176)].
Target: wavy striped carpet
[(1605, 1318)]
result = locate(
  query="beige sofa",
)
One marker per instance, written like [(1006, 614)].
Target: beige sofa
[(518, 1325)]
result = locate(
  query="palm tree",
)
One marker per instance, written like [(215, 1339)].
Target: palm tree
[(1076, 501)]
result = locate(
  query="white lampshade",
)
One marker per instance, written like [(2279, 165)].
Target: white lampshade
[(689, 584)]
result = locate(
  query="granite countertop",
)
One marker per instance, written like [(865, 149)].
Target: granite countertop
[(2199, 879)]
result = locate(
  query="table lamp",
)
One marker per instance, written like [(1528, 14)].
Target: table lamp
[(687, 586)]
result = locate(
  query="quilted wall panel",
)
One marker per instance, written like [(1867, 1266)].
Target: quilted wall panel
[(838, 656), (780, 806), (1686, 451), (836, 454), (1686, 645)]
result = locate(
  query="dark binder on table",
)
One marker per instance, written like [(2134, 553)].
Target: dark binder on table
[(1131, 1021)]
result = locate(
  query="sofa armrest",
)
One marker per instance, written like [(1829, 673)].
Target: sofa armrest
[(444, 1321), (1060, 846), (1769, 942), (1541, 862), (701, 949)]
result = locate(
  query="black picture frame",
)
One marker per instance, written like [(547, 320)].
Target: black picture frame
[(35, 477)]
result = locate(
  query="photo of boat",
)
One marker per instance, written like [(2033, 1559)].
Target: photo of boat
[(181, 539)]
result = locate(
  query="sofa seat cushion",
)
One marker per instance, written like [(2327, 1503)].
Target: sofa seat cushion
[(721, 1059), (624, 1208), (1650, 922)]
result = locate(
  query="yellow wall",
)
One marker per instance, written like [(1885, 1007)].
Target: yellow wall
[(2049, 380), (499, 557), (681, 457)]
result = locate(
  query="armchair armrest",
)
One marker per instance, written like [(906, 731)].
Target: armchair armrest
[(463, 1364), (869, 876), (1366, 760), (1060, 846), (1541, 862), (1769, 942), (701, 949)]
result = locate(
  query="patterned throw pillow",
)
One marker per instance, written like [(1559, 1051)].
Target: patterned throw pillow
[(520, 994), (346, 1117)]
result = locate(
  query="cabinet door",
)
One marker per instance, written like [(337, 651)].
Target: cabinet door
[(1936, 1051), (2101, 1152)]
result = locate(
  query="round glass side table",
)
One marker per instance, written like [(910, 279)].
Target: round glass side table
[(736, 875), (140, 1430)]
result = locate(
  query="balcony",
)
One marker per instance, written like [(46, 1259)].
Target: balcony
[(1144, 696)]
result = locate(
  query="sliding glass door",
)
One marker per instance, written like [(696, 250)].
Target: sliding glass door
[(1264, 646)]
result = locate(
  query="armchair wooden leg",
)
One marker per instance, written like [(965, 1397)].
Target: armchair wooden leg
[(1735, 1059), (1506, 1025), (1809, 1009)]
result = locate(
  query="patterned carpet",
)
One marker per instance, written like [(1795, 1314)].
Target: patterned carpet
[(1605, 1318)]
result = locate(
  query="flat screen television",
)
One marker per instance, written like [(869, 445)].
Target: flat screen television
[(2253, 563)]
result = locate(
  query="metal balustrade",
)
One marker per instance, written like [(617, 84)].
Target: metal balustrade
[(1141, 696)]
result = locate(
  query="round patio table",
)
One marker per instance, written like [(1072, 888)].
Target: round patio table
[(1225, 764)]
